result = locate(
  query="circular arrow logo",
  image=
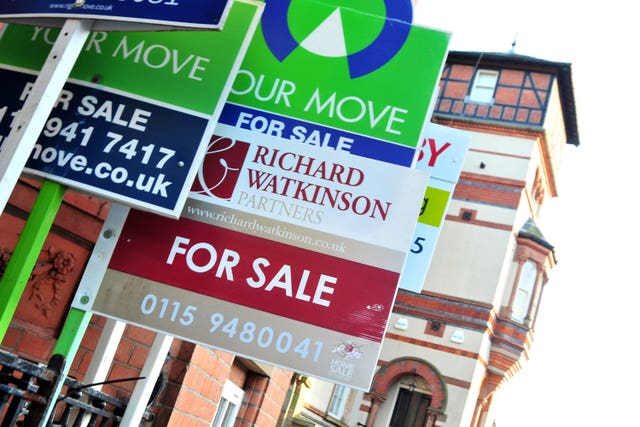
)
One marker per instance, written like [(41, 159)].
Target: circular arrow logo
[(326, 36)]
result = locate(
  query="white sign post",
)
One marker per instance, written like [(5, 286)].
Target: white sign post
[(32, 117)]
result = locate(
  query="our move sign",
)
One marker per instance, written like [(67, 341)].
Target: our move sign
[(355, 79)]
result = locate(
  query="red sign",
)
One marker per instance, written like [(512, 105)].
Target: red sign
[(273, 277), (286, 254)]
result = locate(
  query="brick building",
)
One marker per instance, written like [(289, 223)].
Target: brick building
[(450, 347)]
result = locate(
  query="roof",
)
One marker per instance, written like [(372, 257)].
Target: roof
[(531, 231), (562, 70)]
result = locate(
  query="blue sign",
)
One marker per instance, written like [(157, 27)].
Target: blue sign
[(316, 135), (110, 145), (120, 15), (134, 119)]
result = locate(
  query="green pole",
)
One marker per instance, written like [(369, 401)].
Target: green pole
[(28, 248), (72, 332), (68, 343)]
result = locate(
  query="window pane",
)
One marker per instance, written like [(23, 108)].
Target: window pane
[(229, 416), (220, 413), (484, 86), (486, 79), (482, 94), (230, 402), (338, 401), (526, 283)]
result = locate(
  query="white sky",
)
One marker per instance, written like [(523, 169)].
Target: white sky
[(584, 370)]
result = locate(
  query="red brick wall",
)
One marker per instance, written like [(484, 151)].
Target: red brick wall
[(264, 399), (42, 309), (193, 375)]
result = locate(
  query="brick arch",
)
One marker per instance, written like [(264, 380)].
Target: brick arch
[(392, 371)]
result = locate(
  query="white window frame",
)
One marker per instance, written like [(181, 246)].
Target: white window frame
[(484, 86), (338, 401), (524, 291), (229, 405)]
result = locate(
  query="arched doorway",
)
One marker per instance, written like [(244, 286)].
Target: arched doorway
[(411, 393)]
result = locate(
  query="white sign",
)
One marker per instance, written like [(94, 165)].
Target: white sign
[(284, 253), (442, 154)]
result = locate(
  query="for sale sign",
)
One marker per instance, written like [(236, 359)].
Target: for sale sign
[(320, 191), (284, 253), (355, 79), (442, 154), (134, 119)]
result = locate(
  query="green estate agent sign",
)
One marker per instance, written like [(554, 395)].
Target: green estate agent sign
[(133, 120), (354, 77)]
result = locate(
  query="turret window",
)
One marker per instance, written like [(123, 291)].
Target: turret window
[(533, 258), (524, 291)]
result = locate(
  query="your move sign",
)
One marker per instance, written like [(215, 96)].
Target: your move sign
[(133, 120)]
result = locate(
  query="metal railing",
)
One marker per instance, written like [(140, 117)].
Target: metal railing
[(28, 389)]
